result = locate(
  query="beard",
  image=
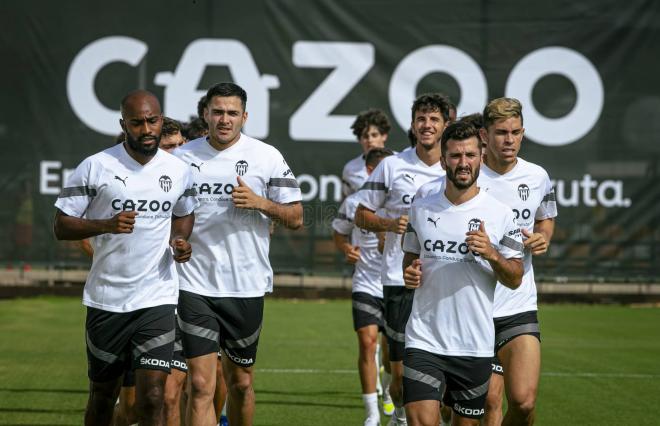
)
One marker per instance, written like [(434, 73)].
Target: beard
[(138, 147), (451, 175)]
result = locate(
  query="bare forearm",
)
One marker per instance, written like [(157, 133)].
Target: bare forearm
[(545, 227), (182, 226), (408, 259), (366, 219), (341, 242), (509, 272), (289, 215), (76, 228)]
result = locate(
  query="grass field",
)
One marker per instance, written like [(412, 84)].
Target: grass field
[(601, 364)]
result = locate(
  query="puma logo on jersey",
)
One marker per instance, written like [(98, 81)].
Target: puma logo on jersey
[(122, 180), (411, 177), (434, 222), (199, 167)]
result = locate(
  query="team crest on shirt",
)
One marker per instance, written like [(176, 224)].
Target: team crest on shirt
[(241, 167), (523, 191), (473, 224), (165, 183)]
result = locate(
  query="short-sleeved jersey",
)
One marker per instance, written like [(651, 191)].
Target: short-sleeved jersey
[(353, 175), (392, 187), (230, 244), (528, 191), (452, 312), (136, 270), (366, 278)]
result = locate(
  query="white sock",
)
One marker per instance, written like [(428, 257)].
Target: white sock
[(371, 404), (386, 380)]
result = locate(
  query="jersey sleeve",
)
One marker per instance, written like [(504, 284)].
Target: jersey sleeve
[(79, 190), (548, 207), (187, 202), (511, 244), (346, 188), (410, 239), (374, 191), (283, 187), (343, 222)]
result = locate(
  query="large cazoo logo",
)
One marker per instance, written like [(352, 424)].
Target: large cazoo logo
[(349, 62)]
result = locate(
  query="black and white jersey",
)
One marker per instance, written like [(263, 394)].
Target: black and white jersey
[(353, 175), (392, 187), (136, 270), (231, 245), (528, 191), (452, 312), (366, 278)]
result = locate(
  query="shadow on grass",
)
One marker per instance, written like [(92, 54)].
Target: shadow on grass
[(308, 404), (305, 393), (23, 390), (43, 410)]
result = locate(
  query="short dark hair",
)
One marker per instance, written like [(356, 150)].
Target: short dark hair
[(195, 129), (170, 127), (201, 104), (459, 131), (429, 102), (371, 117), (226, 89), (374, 156), (411, 137), (476, 119)]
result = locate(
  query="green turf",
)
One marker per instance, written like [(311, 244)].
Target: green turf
[(601, 364)]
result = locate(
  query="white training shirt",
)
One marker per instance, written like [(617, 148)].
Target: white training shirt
[(353, 175), (528, 191), (130, 271), (231, 245), (366, 278), (392, 187), (452, 311)]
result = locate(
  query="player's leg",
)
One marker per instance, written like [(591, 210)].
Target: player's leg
[(152, 347), (517, 341), (107, 335), (423, 387), (467, 385), (398, 304), (220, 396), (386, 375), (521, 360), (175, 382), (125, 411), (200, 333), (493, 415), (240, 326)]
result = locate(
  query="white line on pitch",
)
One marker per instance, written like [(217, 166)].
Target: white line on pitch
[(545, 373)]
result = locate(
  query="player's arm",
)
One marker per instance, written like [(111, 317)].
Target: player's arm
[(342, 243), (369, 220), (77, 228), (509, 272), (412, 270), (179, 233), (539, 241), (86, 247), (289, 215)]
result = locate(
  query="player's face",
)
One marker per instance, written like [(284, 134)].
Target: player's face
[(142, 122), (372, 138), (225, 117), (428, 127), (171, 142), (461, 161), (503, 139)]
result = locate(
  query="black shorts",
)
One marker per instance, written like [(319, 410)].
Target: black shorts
[(461, 382), (231, 323), (118, 342), (506, 328), (398, 304), (367, 310), (179, 357)]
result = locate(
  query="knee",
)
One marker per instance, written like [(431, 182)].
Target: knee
[(152, 397), (524, 403), (202, 386), (240, 385), (493, 401)]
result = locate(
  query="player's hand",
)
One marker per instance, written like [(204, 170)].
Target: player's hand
[(398, 226), (182, 250), (245, 198), (122, 222), (535, 242), (381, 242), (352, 254), (479, 242), (412, 275)]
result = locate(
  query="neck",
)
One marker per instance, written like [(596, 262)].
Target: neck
[(137, 156), (429, 156), (222, 146), (498, 166), (459, 196)]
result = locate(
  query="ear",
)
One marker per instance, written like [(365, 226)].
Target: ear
[(484, 135), (122, 124)]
